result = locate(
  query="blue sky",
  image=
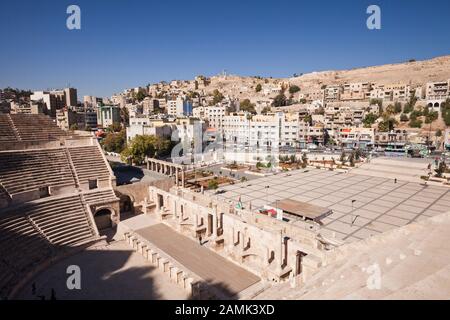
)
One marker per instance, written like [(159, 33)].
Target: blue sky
[(127, 43)]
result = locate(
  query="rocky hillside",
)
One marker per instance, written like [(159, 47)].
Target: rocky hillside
[(418, 72)]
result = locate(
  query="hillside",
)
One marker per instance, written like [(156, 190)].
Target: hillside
[(418, 72), (414, 73)]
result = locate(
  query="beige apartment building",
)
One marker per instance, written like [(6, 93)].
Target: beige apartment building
[(356, 91), (437, 93)]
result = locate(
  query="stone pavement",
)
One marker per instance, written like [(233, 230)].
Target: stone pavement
[(110, 272), (210, 266), (362, 205)]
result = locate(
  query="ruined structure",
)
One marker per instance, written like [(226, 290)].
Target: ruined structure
[(56, 193)]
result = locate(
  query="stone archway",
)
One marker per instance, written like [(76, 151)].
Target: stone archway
[(103, 219), (126, 203)]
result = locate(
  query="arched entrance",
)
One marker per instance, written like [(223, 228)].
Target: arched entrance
[(126, 203), (103, 218)]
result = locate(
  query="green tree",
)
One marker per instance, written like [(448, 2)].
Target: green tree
[(441, 168), (258, 87), (378, 102), (445, 109), (294, 89), (342, 157), (280, 100), (390, 110), (415, 123), (397, 108), (217, 96), (246, 105), (115, 127), (265, 110), (213, 184), (304, 160), (369, 120), (146, 145), (351, 159), (114, 141), (140, 95), (308, 119), (388, 124)]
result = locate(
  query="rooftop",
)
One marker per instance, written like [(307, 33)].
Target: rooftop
[(302, 209)]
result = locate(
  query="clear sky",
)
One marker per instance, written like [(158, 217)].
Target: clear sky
[(127, 43)]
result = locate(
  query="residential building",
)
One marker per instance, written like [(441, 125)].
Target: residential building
[(71, 97), (179, 107), (437, 93), (108, 115), (271, 130), (356, 91), (146, 125)]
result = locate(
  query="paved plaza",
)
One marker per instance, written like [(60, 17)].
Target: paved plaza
[(373, 204), (213, 268)]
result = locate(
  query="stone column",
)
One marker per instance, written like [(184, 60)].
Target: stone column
[(280, 252), (175, 209), (176, 177), (158, 205), (182, 178), (214, 226)]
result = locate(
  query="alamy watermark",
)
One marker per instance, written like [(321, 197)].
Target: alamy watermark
[(74, 280), (73, 21), (374, 20)]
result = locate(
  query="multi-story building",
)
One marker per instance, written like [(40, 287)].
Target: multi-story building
[(71, 97), (148, 106), (34, 107), (393, 138), (92, 102), (437, 93), (108, 115), (356, 137), (56, 99), (68, 118), (271, 130), (179, 107), (332, 93), (214, 115), (313, 95), (146, 125), (356, 91)]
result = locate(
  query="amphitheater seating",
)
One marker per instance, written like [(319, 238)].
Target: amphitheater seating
[(4, 196), (30, 169), (64, 221), (7, 132), (32, 127), (38, 230), (89, 163), (22, 247), (100, 196)]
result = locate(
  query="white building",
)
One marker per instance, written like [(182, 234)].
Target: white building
[(271, 130), (179, 107), (145, 125)]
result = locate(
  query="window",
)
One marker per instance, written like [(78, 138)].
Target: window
[(44, 192), (93, 184)]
